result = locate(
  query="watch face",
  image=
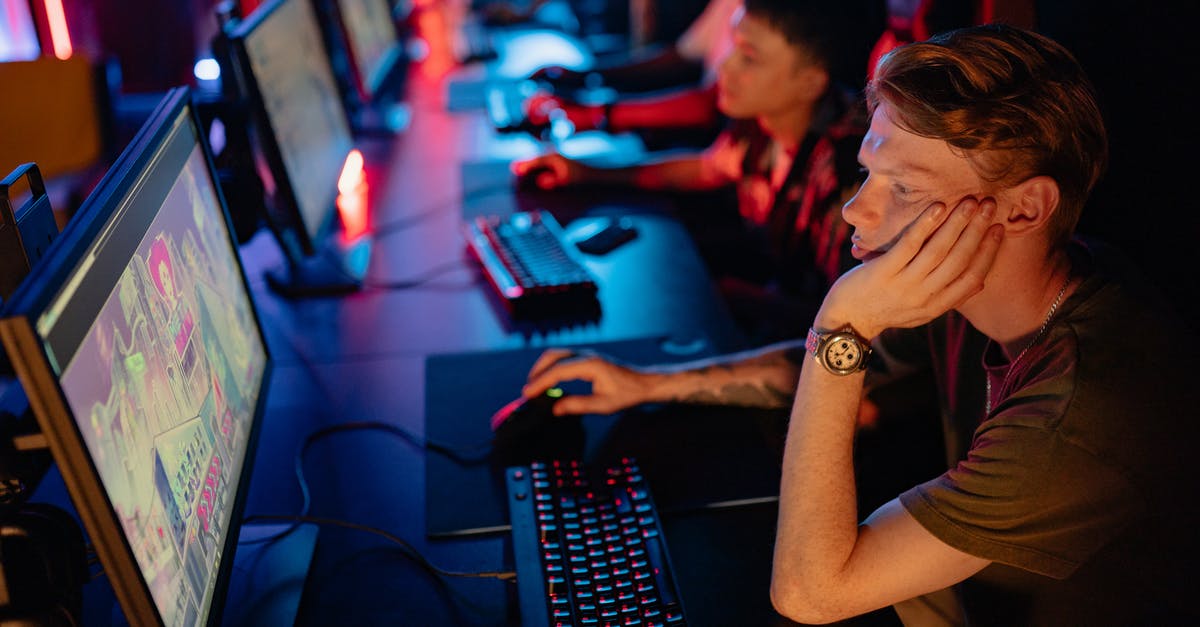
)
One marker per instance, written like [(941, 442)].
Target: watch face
[(843, 353)]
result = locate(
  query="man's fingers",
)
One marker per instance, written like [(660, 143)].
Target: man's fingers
[(584, 369), (520, 168), (965, 245), (936, 248), (548, 358), (971, 280), (914, 237), (574, 405), (549, 179)]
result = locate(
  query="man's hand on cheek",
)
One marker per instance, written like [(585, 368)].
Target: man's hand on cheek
[(936, 264)]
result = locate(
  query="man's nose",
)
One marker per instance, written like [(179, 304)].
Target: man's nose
[(856, 210)]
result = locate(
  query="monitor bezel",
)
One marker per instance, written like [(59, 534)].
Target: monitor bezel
[(48, 400), (283, 208)]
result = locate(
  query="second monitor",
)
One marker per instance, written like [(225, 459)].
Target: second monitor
[(303, 138), (367, 47)]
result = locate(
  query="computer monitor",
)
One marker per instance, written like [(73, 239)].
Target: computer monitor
[(138, 346), (302, 138), (365, 33)]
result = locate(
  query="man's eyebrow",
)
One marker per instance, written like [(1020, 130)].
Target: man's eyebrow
[(910, 167), (903, 167)]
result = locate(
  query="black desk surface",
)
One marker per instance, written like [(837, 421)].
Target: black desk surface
[(363, 357)]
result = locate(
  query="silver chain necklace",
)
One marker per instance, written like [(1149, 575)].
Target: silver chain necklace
[(1013, 364)]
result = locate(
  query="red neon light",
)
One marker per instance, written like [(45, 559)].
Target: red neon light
[(352, 172), (352, 196), (58, 29)]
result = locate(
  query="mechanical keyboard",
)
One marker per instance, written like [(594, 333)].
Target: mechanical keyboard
[(589, 548), (529, 263)]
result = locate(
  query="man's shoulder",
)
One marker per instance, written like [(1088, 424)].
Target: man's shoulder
[(1116, 301)]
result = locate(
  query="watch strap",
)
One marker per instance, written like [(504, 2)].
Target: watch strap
[(812, 342)]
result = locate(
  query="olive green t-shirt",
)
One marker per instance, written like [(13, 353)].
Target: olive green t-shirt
[(1080, 485)]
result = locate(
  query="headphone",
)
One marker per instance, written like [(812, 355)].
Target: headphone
[(43, 566)]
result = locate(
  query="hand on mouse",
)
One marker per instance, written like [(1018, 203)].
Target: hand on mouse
[(542, 107), (524, 414), (550, 171), (614, 386)]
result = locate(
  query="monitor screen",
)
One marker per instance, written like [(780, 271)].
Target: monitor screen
[(372, 41), (138, 345), (18, 34), (303, 130)]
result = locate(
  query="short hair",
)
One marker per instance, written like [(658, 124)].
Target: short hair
[(1016, 103), (835, 34)]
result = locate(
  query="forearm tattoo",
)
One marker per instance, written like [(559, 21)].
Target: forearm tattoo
[(742, 395), (768, 381)]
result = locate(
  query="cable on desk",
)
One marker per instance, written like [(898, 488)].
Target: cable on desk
[(405, 222), (439, 574), (442, 208), (417, 281), (302, 452), (400, 224), (401, 284), (471, 455), (407, 548), (476, 454)]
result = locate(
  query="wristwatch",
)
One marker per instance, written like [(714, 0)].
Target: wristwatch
[(841, 352)]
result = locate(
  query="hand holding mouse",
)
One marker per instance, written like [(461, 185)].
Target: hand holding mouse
[(527, 429), (549, 171), (614, 386), (542, 108)]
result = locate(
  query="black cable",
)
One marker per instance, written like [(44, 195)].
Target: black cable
[(404, 545), (405, 222), (298, 462), (471, 455), (330, 257), (402, 223), (440, 575), (419, 280)]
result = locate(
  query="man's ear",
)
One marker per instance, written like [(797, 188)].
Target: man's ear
[(1034, 200), (815, 80)]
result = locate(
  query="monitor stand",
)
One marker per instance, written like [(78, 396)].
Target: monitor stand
[(385, 118), (335, 270), (269, 575)]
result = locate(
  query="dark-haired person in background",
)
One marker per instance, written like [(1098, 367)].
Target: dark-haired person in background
[(789, 155)]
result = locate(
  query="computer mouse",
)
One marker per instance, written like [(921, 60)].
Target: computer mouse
[(526, 429)]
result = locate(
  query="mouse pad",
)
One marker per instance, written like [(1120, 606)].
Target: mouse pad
[(693, 457)]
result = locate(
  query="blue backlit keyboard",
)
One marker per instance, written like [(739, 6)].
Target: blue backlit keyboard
[(530, 264)]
